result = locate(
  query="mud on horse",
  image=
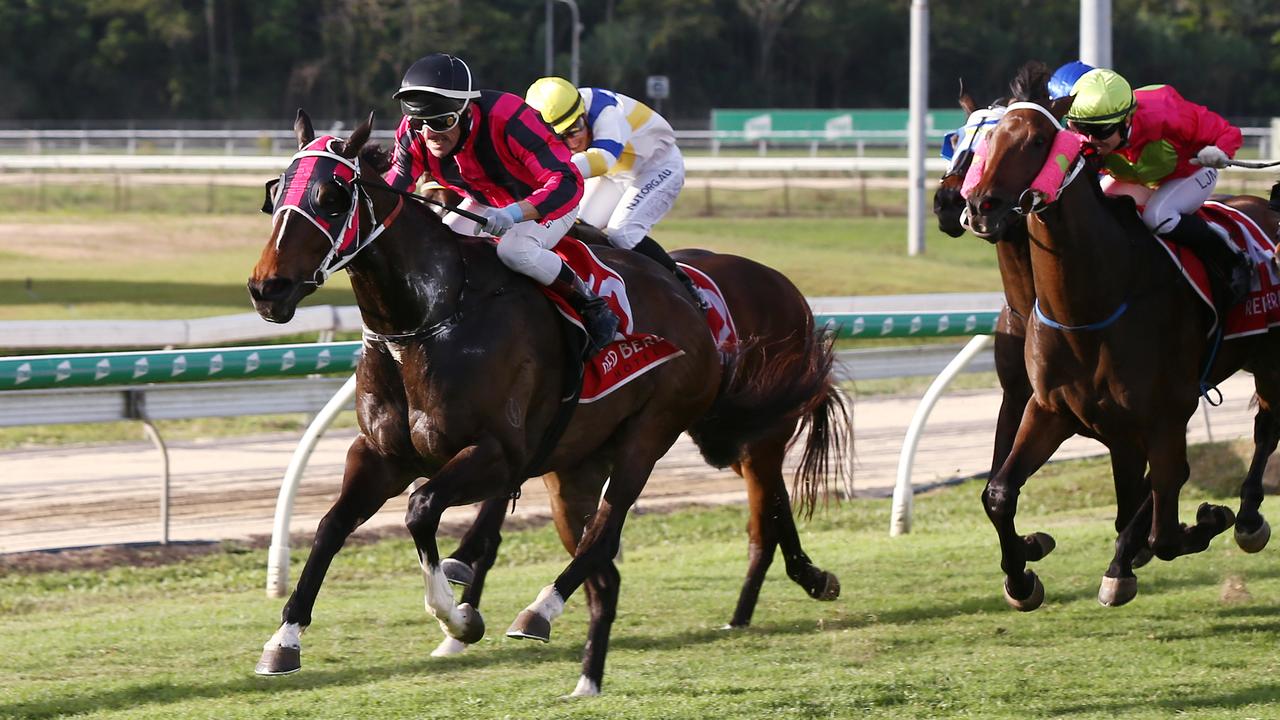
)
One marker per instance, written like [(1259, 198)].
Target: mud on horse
[(459, 382), (1114, 352)]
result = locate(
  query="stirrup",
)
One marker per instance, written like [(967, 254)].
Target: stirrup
[(694, 291)]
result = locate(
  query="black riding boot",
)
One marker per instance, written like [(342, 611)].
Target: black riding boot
[(597, 318), (652, 250), (1233, 269)]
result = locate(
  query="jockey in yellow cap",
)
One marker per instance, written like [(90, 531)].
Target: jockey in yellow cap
[(627, 153)]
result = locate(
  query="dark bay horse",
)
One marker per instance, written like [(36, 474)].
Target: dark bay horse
[(1014, 261), (462, 378), (1114, 352)]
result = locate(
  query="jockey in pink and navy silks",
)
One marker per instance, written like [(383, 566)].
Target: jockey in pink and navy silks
[(509, 167), (1164, 151)]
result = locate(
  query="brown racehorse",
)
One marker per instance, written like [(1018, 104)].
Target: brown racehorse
[(1114, 352), (462, 379), (1014, 261)]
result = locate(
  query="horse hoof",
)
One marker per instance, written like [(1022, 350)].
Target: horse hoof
[(1142, 557), (1041, 545), (530, 625), (449, 647), (1115, 592), (1032, 601), (1252, 542), (830, 590), (1215, 514), (472, 625), (586, 688), (457, 572), (731, 626), (279, 661)]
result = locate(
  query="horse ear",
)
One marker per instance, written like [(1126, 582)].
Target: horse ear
[(302, 128), (966, 100), (359, 137), (1060, 106)]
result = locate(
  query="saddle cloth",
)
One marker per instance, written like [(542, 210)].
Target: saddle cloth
[(1260, 310), (719, 321), (631, 354)]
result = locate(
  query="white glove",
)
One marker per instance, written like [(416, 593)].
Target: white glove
[(1211, 156), (499, 220)]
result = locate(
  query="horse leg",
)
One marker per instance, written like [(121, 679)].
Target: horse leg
[(1252, 529), (1039, 434), (469, 564), (1011, 369), (1119, 584), (461, 478), (369, 480), (600, 540), (771, 524), (574, 496), (1169, 471)]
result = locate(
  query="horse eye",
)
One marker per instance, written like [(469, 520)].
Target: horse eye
[(331, 199), (1039, 141)]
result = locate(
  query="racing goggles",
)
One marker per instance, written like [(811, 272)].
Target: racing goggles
[(436, 123), (578, 127), (1097, 132)]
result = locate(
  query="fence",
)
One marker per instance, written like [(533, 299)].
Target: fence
[(206, 382)]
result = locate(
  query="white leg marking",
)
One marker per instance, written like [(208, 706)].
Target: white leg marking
[(586, 688), (549, 603), (289, 635), (449, 647), (440, 602)]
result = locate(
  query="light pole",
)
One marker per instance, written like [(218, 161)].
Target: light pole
[(1095, 32), (919, 103), (573, 52)]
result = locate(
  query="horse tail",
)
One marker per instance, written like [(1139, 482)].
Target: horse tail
[(768, 384)]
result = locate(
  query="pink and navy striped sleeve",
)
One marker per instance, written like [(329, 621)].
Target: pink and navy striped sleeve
[(545, 164), (407, 161)]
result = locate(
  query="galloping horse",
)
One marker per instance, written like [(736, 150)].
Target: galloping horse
[(1114, 352), (462, 381), (1014, 261)]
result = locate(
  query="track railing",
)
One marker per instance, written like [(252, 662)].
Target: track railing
[(90, 387)]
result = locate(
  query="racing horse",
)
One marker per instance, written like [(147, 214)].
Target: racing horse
[(461, 382), (1013, 259), (1115, 351)]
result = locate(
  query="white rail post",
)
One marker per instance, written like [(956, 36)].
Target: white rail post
[(278, 554), (900, 515)]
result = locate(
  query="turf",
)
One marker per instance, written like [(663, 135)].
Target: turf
[(920, 630)]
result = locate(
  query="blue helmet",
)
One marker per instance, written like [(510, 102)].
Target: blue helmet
[(1065, 77)]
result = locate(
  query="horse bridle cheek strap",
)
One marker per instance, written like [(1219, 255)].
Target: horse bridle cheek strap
[(339, 257)]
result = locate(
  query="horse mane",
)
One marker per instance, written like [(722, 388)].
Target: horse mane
[(376, 156), (1031, 84)]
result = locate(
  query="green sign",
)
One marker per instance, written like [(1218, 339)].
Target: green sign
[(773, 124)]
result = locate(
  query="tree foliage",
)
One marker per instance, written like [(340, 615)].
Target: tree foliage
[(67, 61)]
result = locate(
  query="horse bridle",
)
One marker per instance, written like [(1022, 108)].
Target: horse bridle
[(356, 192), (1032, 201)]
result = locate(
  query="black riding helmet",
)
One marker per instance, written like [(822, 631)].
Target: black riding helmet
[(435, 85)]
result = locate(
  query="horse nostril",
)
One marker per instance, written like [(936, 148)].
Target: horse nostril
[(987, 204), (273, 288)]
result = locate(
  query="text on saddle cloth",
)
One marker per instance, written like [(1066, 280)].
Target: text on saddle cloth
[(1260, 310)]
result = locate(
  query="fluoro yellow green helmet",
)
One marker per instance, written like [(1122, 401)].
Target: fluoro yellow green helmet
[(557, 100), (1101, 96)]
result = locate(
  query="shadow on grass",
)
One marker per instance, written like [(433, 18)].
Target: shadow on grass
[(1263, 692)]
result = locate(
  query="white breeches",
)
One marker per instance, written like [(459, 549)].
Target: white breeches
[(525, 247), (1166, 205), (627, 205)]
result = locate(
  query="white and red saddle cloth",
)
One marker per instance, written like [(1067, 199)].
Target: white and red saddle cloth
[(1260, 310), (632, 353)]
